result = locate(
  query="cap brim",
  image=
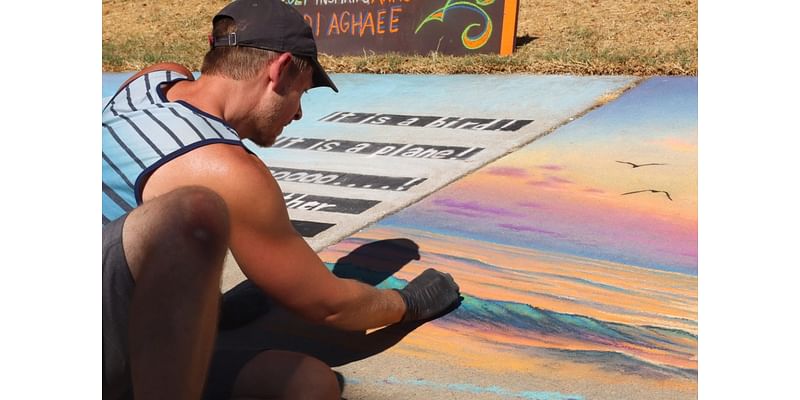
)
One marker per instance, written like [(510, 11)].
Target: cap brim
[(320, 77)]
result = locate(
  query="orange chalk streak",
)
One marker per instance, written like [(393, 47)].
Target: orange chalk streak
[(481, 40)]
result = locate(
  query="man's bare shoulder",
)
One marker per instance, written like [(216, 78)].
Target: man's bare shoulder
[(227, 169)]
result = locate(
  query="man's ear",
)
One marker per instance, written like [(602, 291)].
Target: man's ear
[(279, 71)]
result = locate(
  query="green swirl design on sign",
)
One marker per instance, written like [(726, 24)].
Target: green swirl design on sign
[(471, 42)]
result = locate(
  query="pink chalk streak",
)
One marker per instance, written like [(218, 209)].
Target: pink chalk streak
[(593, 190), (552, 167), (529, 204), (508, 171), (526, 228), (558, 179), (474, 206)]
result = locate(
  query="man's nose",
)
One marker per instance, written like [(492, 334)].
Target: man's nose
[(299, 113)]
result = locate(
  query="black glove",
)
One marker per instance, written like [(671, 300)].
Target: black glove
[(428, 294)]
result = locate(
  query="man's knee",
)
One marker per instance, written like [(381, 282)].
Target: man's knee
[(202, 215), (286, 375), (182, 223), (320, 381)]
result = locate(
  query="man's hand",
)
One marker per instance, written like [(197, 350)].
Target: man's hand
[(428, 294)]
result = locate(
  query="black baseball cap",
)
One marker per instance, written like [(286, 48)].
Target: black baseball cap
[(272, 25)]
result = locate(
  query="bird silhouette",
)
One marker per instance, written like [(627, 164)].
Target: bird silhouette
[(639, 165), (649, 190)]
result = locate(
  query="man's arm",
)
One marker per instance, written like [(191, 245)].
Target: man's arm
[(275, 257)]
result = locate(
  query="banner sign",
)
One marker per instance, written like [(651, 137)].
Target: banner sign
[(457, 27)]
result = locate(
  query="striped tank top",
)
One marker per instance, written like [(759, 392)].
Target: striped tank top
[(142, 130)]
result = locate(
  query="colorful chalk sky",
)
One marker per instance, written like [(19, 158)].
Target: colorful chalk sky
[(563, 192)]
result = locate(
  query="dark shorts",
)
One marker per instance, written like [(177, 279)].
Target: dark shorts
[(118, 286), (117, 290)]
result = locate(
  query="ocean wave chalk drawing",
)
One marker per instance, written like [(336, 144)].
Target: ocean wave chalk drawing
[(471, 42)]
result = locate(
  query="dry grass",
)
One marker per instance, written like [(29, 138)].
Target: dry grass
[(592, 37)]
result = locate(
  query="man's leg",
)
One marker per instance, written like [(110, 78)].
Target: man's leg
[(285, 375), (175, 247)]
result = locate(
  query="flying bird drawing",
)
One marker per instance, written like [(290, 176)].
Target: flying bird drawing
[(638, 165), (649, 190)]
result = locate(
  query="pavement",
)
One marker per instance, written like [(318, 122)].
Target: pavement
[(565, 207)]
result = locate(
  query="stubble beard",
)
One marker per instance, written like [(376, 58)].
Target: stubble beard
[(267, 129)]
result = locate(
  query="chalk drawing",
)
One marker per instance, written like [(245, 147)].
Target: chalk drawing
[(307, 202), (475, 389), (410, 150), (426, 121), (569, 287), (309, 229), (342, 178)]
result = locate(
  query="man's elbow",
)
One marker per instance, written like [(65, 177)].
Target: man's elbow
[(327, 313), (336, 320), (343, 316)]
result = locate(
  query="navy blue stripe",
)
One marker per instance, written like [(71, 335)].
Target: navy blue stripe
[(113, 111), (142, 135), (213, 128), (160, 89), (201, 112), (164, 127), (112, 99), (105, 220), (200, 135), (139, 187), (128, 96), (169, 75), (147, 87), (116, 198), (117, 170), (124, 147)]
